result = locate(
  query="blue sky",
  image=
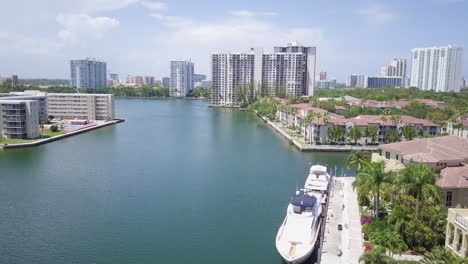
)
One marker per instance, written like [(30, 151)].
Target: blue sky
[(37, 38)]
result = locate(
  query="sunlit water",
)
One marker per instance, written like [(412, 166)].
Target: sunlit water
[(178, 182)]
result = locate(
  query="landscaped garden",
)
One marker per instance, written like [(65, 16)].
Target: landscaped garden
[(401, 212)]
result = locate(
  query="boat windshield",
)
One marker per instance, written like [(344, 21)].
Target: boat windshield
[(303, 203)]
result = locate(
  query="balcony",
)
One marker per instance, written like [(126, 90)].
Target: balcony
[(14, 124)]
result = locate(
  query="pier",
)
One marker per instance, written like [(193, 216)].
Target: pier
[(345, 245)]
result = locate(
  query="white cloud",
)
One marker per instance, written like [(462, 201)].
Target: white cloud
[(78, 27), (155, 6), (196, 40), (376, 14), (172, 21), (247, 13), (93, 6)]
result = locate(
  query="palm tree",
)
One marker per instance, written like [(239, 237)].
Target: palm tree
[(420, 132), (408, 132), (357, 159), (395, 119), (335, 133), (376, 256), (442, 255), (42, 123), (419, 182), (370, 181), (309, 117), (325, 118), (371, 132), (354, 133)]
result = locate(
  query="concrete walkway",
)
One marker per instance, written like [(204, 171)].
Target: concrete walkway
[(50, 139), (349, 240)]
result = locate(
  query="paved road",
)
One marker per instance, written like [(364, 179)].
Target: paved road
[(349, 240)]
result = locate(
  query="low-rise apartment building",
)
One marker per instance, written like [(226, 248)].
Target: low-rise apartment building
[(460, 128), (34, 95), (456, 237), (445, 155), (316, 130), (19, 119), (81, 106)]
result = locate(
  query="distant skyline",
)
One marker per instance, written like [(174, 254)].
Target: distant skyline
[(139, 37)]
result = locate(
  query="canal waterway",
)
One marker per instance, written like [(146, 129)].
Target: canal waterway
[(178, 182)]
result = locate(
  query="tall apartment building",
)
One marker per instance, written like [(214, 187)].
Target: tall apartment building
[(382, 82), (322, 76), (114, 76), (325, 84), (88, 74), (19, 119), (14, 80), (355, 80), (81, 106), (437, 68), (290, 69), (199, 77), (396, 68), (166, 81), (181, 82)]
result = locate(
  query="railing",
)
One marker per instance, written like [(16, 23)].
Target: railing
[(462, 221)]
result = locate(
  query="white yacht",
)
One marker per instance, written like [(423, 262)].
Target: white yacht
[(318, 181), (298, 234)]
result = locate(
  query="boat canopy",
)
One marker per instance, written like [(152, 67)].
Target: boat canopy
[(318, 169), (304, 200)]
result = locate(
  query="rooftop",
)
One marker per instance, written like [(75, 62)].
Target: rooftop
[(429, 150), (454, 177)]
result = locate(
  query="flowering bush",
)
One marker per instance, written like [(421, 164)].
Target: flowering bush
[(365, 220), (367, 248)]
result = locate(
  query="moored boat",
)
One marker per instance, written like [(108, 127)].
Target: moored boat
[(297, 236)]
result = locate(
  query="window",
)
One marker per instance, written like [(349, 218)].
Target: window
[(396, 157), (387, 155), (448, 199)]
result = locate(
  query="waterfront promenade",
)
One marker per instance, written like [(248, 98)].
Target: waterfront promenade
[(343, 210), (54, 138), (312, 147)]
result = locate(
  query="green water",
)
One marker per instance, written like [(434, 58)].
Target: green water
[(178, 182)]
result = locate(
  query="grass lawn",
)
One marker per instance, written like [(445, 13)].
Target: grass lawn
[(52, 134), (45, 134), (15, 141)]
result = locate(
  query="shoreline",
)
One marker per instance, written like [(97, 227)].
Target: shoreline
[(317, 148), (58, 137)]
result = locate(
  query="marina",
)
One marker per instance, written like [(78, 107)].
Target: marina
[(174, 171)]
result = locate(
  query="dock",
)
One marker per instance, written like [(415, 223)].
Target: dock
[(346, 245)]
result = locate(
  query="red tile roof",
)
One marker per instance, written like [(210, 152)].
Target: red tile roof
[(454, 177), (427, 150), (431, 103)]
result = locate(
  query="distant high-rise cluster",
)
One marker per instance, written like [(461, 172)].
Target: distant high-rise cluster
[(355, 80), (437, 68), (14, 80), (396, 68), (322, 76), (88, 74), (289, 69), (166, 81), (181, 81), (140, 80)]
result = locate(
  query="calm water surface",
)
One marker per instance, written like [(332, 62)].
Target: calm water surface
[(177, 182)]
